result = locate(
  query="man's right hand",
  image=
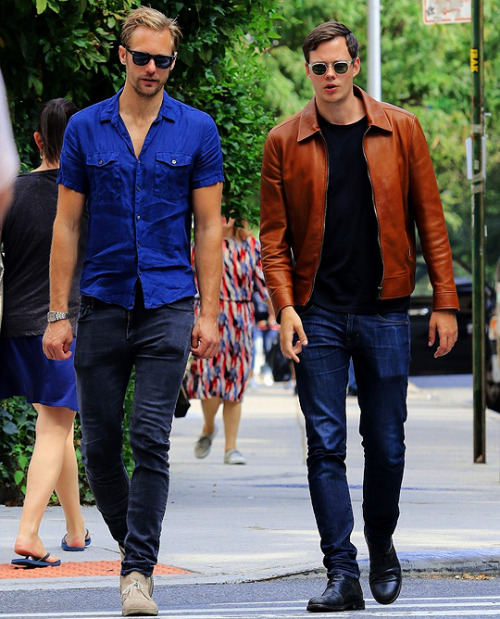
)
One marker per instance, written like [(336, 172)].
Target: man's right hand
[(57, 340), (291, 324)]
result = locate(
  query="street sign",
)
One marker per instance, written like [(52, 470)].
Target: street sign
[(446, 11)]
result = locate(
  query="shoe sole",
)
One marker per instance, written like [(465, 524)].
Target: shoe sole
[(139, 613), (325, 608)]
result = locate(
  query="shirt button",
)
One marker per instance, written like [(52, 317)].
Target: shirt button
[(138, 217), (101, 161), (138, 188), (174, 161)]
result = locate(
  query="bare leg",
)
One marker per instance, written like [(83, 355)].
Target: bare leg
[(232, 416), (209, 408), (68, 493), (54, 425)]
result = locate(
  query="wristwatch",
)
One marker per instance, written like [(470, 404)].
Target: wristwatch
[(55, 316)]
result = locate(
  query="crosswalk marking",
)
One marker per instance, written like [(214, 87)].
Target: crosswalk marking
[(428, 607)]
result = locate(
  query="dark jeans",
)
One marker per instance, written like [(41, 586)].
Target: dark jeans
[(380, 348), (111, 340)]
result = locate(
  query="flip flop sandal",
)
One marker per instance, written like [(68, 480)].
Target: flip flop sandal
[(29, 561), (65, 546)]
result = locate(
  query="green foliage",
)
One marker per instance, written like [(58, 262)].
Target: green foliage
[(54, 48), (17, 436)]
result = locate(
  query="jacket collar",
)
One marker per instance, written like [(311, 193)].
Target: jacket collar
[(375, 114)]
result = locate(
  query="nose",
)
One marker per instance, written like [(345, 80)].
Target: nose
[(330, 70)]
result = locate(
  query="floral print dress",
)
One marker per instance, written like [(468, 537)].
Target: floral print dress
[(225, 375)]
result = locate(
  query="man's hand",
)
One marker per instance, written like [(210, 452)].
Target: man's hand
[(291, 324), (205, 337), (444, 324), (57, 340)]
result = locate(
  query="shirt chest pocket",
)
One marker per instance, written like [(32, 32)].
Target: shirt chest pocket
[(172, 175), (104, 176)]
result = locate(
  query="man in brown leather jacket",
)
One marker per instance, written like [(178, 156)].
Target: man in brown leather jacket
[(345, 182)]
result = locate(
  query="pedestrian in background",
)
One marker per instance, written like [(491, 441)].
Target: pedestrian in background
[(26, 235), (142, 164), (9, 159), (223, 378), (344, 183)]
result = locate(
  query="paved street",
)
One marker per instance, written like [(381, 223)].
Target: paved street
[(422, 598), (241, 526)]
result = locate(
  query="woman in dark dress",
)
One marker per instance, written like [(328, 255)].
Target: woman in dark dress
[(26, 235)]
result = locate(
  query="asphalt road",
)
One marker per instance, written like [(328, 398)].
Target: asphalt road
[(423, 598)]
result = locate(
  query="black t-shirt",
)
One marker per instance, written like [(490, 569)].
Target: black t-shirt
[(350, 270), (27, 237)]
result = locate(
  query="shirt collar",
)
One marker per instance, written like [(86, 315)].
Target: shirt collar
[(110, 108)]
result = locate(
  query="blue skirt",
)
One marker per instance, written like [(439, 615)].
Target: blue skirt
[(26, 371)]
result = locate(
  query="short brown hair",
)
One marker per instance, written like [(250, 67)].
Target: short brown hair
[(150, 18), (326, 32)]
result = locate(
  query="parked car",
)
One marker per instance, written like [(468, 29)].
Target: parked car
[(459, 360)]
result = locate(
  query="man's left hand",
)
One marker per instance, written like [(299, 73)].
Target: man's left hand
[(205, 337), (444, 324)]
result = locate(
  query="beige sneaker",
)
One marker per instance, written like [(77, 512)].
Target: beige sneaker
[(136, 590)]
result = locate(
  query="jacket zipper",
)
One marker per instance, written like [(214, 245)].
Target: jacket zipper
[(379, 293), (324, 218)]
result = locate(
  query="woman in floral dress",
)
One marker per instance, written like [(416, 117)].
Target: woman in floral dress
[(223, 378)]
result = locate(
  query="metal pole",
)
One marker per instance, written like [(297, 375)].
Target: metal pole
[(374, 78), (477, 188)]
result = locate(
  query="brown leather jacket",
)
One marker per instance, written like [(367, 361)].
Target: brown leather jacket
[(405, 195)]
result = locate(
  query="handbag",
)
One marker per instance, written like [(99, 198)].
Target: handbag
[(183, 403)]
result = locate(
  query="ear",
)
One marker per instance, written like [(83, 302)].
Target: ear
[(38, 140), (122, 54), (356, 67), (308, 71), (173, 63)]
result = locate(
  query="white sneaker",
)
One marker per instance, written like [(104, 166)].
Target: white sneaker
[(136, 590), (233, 456)]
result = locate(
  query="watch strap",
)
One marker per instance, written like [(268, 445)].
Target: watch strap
[(55, 316)]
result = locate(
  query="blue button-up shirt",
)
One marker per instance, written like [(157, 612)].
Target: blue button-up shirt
[(139, 207)]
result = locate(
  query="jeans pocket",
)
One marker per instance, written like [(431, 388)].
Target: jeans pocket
[(394, 318)]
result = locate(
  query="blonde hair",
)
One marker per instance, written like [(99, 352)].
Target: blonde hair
[(150, 18)]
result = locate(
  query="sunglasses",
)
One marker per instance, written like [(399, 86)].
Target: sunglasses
[(340, 67), (141, 59)]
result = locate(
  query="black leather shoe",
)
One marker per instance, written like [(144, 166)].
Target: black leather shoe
[(341, 593), (385, 573)]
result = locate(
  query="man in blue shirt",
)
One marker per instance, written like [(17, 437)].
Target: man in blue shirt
[(141, 164)]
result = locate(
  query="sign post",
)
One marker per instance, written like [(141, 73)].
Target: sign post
[(478, 232), (452, 12)]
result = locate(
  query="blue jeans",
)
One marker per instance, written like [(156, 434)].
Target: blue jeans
[(111, 340), (380, 348)]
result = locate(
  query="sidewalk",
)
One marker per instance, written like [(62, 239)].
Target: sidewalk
[(238, 523)]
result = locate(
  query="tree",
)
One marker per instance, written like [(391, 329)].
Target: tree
[(54, 48)]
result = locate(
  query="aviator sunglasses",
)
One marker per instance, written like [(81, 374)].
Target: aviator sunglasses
[(141, 59), (340, 67)]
